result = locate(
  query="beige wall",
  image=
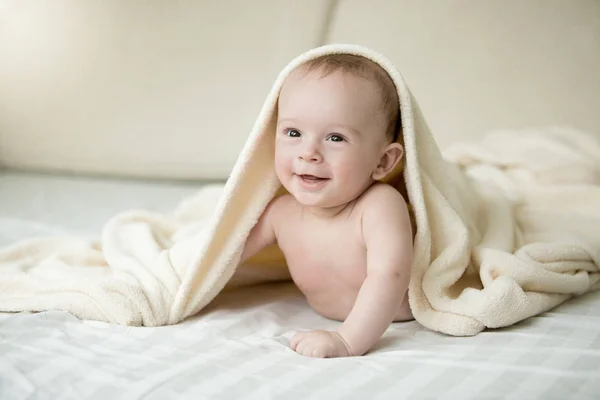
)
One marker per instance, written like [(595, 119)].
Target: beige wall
[(477, 65), (145, 87), (160, 88)]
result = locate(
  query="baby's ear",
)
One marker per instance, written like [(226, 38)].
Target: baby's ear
[(389, 159)]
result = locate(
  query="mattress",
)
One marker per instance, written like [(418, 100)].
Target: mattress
[(237, 347)]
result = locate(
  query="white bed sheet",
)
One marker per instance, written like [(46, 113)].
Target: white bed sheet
[(237, 347)]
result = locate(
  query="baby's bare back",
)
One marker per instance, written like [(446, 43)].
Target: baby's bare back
[(327, 258)]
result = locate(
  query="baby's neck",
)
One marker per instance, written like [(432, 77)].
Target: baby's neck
[(327, 213)]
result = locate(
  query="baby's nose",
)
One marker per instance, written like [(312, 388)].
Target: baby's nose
[(311, 153)]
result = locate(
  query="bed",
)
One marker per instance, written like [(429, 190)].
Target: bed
[(237, 346)]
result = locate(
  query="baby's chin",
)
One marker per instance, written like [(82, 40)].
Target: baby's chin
[(326, 198)]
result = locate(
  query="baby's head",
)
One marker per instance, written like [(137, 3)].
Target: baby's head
[(361, 67), (338, 121)]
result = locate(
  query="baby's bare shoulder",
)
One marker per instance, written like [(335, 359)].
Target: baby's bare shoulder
[(386, 225), (283, 202), (383, 205), (280, 206), (382, 195)]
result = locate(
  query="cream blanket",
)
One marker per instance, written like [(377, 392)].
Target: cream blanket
[(506, 228)]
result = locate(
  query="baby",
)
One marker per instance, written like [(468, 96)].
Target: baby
[(346, 237)]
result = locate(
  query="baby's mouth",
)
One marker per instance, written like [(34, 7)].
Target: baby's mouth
[(311, 178)]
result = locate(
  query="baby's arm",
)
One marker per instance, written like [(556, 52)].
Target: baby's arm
[(388, 238), (263, 233)]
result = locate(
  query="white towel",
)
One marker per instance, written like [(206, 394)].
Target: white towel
[(506, 228)]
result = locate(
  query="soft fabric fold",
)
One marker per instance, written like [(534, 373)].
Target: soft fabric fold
[(506, 228)]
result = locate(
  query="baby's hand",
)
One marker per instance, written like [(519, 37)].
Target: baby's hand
[(323, 344)]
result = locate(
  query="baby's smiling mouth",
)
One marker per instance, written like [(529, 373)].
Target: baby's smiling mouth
[(311, 178), (311, 181)]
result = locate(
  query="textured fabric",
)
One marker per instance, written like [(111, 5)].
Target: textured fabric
[(476, 265), (238, 349)]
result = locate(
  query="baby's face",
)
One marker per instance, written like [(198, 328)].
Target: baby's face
[(330, 136)]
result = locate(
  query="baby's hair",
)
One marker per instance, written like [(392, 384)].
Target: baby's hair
[(365, 68)]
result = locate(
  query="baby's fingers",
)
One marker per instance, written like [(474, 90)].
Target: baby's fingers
[(319, 352), (304, 348), (295, 341)]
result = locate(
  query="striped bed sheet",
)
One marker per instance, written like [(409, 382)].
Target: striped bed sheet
[(237, 348)]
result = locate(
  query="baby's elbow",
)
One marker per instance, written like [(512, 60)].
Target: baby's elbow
[(390, 275), (397, 277)]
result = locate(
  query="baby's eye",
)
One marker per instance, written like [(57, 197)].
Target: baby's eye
[(336, 138), (293, 133)]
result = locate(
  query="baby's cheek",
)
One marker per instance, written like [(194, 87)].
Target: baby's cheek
[(354, 175), (282, 165)]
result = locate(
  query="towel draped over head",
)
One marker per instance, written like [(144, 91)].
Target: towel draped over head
[(506, 228)]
